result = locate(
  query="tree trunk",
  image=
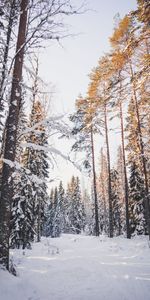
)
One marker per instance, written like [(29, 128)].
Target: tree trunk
[(103, 190), (126, 190), (109, 176), (3, 74), (10, 141), (8, 38), (94, 186), (143, 159)]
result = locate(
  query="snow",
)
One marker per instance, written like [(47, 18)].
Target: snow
[(77, 267)]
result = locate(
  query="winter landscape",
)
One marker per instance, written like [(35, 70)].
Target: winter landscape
[(80, 267), (74, 150)]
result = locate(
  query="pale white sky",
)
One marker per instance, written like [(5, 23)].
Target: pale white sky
[(67, 67)]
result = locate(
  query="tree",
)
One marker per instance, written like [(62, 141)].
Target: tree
[(55, 212), (143, 12), (56, 227), (137, 194), (116, 203), (36, 162), (75, 210), (121, 188), (33, 29), (10, 140), (61, 201), (21, 225), (84, 128), (125, 36), (101, 93), (49, 215), (10, 13), (103, 193)]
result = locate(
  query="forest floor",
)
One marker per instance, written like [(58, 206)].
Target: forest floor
[(76, 267)]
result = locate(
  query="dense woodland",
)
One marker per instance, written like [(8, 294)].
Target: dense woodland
[(118, 91)]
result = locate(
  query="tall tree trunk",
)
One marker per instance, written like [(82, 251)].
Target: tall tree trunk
[(143, 159), (4, 66), (10, 142), (103, 190), (94, 186), (109, 175), (126, 190)]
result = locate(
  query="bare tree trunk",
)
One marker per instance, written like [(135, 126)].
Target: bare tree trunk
[(9, 31), (103, 190), (126, 189), (109, 176), (10, 142), (4, 66), (143, 159), (94, 186)]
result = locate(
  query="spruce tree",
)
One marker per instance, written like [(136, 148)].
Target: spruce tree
[(137, 194), (76, 209), (61, 201), (22, 230), (56, 227), (36, 163), (49, 215), (21, 215)]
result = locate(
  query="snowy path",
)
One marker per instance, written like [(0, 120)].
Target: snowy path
[(80, 268)]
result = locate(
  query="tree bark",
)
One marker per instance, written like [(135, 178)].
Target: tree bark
[(10, 140), (109, 175), (3, 74), (8, 38), (94, 186), (126, 189), (103, 190)]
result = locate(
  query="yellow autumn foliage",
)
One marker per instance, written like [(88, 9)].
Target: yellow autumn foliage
[(121, 31)]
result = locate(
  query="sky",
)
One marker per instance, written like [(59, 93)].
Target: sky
[(68, 65)]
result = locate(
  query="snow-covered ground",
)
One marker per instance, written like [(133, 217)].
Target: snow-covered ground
[(80, 268)]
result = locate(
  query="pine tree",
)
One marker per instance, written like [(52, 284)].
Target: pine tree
[(143, 12), (125, 35), (84, 129), (100, 87)]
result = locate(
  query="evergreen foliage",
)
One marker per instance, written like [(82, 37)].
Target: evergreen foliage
[(137, 195)]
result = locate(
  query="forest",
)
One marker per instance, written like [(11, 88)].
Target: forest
[(33, 206)]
